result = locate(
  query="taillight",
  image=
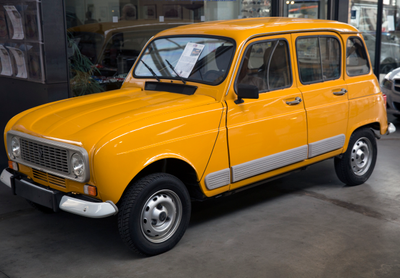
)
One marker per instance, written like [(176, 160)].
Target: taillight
[(384, 99)]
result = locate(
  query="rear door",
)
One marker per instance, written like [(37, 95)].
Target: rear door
[(321, 81)]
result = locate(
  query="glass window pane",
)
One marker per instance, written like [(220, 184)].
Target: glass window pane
[(309, 60), (356, 58), (306, 9), (211, 67), (279, 75), (331, 57), (266, 65), (255, 64), (363, 16)]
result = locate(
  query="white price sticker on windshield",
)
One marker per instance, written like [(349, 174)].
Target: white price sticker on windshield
[(188, 59)]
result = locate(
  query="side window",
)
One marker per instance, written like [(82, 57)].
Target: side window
[(318, 58), (266, 65), (356, 58)]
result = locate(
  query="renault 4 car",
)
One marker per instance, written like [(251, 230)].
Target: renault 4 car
[(206, 110)]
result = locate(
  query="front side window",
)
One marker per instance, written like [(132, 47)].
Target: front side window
[(199, 59), (318, 58), (266, 65), (356, 57)]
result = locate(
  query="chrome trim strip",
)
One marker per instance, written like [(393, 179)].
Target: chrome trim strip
[(268, 163), (88, 209), (70, 148), (218, 179), (6, 177), (326, 145)]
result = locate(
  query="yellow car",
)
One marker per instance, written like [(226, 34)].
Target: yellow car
[(206, 110)]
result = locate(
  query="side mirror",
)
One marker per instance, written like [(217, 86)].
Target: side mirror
[(246, 91)]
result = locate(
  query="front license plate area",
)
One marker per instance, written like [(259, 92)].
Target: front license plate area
[(37, 194)]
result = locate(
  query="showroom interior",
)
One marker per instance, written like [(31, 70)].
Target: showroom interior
[(68, 48), (306, 224)]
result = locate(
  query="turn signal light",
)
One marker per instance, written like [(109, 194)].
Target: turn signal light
[(90, 190), (13, 165)]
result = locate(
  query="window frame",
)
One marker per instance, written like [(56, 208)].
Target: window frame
[(320, 56), (269, 62), (366, 55)]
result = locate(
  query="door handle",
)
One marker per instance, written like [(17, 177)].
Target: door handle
[(340, 93), (296, 101)]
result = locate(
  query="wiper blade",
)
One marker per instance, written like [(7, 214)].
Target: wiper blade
[(180, 77), (151, 71)]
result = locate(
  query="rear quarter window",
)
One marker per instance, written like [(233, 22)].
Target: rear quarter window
[(356, 57)]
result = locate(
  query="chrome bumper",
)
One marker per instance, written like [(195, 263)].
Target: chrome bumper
[(56, 199), (391, 129)]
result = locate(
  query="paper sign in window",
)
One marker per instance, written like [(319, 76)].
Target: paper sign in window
[(19, 57), (6, 68), (16, 22), (188, 59)]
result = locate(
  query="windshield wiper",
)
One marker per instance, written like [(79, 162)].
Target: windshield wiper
[(181, 78), (151, 71)]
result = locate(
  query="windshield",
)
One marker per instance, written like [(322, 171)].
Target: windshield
[(200, 59)]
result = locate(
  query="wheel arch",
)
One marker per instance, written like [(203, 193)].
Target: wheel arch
[(373, 126), (176, 167)]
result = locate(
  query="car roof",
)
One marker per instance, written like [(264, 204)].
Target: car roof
[(242, 29)]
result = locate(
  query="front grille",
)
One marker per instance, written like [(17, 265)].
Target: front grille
[(397, 85), (47, 179), (44, 155)]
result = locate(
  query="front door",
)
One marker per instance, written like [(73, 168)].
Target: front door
[(270, 132)]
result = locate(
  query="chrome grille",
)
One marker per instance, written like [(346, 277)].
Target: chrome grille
[(44, 155)]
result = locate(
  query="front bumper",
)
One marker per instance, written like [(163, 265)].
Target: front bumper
[(56, 199)]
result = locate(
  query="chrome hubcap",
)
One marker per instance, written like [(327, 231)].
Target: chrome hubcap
[(161, 216), (361, 156)]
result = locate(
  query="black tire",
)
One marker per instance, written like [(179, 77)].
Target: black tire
[(41, 208), (161, 195), (358, 162)]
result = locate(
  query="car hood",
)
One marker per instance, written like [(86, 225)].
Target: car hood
[(78, 120)]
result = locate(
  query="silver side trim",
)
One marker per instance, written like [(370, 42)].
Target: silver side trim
[(268, 163), (326, 145), (218, 179)]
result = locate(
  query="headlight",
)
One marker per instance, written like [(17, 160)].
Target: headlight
[(78, 166), (15, 147)]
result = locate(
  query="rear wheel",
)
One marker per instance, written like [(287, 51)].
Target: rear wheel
[(154, 214), (358, 162)]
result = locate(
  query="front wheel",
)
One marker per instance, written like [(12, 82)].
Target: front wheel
[(154, 214), (358, 162)]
